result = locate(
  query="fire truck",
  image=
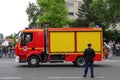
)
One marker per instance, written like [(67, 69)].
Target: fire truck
[(53, 45)]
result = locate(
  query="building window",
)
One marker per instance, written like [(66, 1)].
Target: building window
[(70, 4), (71, 13)]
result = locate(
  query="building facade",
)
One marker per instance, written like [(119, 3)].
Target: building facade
[(72, 7), (114, 27)]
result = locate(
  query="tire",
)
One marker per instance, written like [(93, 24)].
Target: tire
[(80, 62), (33, 61)]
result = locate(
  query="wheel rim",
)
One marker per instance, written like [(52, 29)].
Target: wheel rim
[(33, 61), (81, 61)]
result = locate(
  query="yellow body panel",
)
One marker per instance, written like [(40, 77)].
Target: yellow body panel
[(83, 38), (62, 42), (74, 41)]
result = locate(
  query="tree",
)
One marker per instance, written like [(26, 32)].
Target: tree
[(33, 11), (99, 12), (107, 11), (54, 11), (113, 35), (12, 36), (86, 17)]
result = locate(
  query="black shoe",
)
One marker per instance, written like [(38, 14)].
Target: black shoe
[(84, 76), (92, 76)]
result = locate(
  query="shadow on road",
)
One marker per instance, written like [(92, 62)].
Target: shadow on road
[(50, 66), (62, 65)]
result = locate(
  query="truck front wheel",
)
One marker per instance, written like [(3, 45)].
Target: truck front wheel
[(80, 62), (33, 61)]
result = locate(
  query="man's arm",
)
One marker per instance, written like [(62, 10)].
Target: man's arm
[(93, 53)]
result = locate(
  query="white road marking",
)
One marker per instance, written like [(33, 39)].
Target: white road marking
[(111, 61), (10, 78), (64, 77), (72, 77)]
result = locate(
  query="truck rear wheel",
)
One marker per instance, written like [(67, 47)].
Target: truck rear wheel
[(33, 61), (80, 62)]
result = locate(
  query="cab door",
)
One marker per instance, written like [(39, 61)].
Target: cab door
[(26, 43)]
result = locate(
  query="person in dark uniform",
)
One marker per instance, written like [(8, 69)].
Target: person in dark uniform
[(1, 52), (89, 54)]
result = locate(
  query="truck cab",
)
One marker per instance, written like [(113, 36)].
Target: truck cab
[(30, 44)]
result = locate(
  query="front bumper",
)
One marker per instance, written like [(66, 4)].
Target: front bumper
[(17, 59)]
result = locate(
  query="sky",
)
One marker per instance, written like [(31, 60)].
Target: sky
[(13, 17)]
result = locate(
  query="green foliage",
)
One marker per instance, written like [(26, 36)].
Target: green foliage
[(79, 23), (99, 12), (54, 11), (113, 35), (33, 11), (91, 24), (102, 13), (107, 11), (12, 36), (86, 17)]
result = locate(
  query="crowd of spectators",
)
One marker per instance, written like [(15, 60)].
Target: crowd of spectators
[(115, 47), (7, 51)]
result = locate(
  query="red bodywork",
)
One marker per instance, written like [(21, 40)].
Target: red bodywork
[(38, 45)]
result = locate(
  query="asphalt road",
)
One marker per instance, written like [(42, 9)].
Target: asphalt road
[(105, 70)]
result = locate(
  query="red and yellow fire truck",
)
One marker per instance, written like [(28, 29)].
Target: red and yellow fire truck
[(37, 46)]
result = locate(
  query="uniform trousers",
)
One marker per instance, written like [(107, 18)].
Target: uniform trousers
[(87, 65)]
